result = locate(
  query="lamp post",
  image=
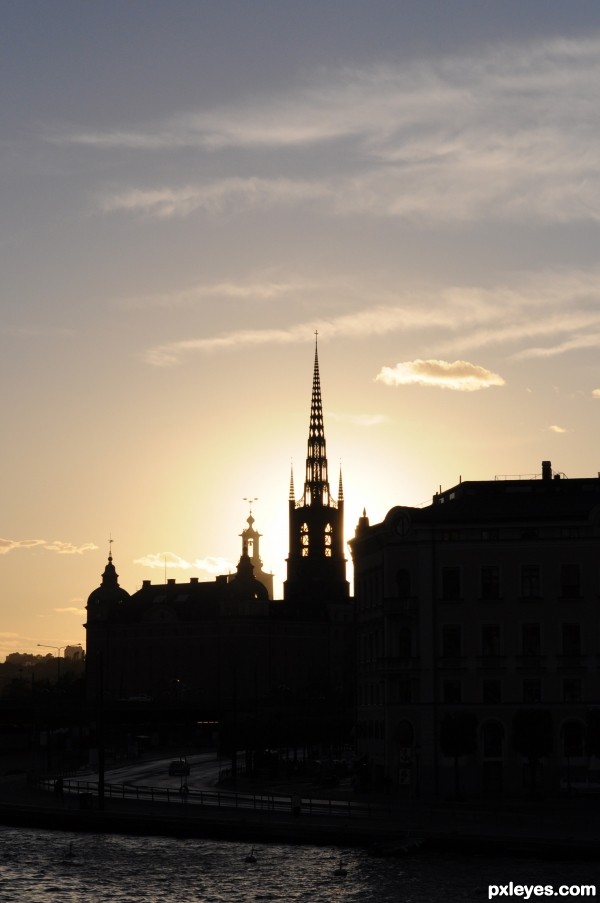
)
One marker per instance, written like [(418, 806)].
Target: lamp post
[(58, 650)]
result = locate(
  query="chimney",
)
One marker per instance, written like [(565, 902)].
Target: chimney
[(546, 470)]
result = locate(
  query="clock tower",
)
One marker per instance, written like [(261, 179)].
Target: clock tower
[(316, 566)]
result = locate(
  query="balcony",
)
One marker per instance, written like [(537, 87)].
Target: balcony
[(404, 605), (532, 662), (571, 662), (395, 664), (491, 662)]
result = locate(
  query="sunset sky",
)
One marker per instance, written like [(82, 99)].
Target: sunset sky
[(191, 189)]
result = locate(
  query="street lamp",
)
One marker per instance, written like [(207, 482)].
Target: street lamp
[(58, 650)]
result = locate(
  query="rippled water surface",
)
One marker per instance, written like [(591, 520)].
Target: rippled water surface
[(54, 867)]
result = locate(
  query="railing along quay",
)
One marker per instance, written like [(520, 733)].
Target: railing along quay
[(218, 798)]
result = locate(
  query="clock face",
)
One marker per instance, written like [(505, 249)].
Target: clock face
[(402, 524)]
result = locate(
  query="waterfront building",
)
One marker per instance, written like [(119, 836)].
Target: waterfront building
[(478, 640), (225, 646)]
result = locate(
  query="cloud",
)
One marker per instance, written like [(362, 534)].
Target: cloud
[(459, 375), (71, 610), (557, 429), (171, 561), (9, 545), (558, 308), (63, 548), (508, 133), (378, 320), (68, 548), (265, 289), (221, 197), (595, 393)]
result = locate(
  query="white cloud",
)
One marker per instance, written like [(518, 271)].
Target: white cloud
[(68, 548), (561, 309), (63, 548), (171, 561), (71, 610), (596, 393), (9, 545), (461, 376), (223, 196), (554, 428), (253, 289), (506, 133), (378, 320)]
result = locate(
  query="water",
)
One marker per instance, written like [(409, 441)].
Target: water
[(55, 867)]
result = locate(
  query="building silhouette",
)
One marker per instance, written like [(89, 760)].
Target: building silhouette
[(224, 647), (478, 643)]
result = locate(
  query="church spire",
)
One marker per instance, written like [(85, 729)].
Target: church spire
[(316, 485), (316, 566)]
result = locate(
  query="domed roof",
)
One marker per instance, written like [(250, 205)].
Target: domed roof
[(109, 591)]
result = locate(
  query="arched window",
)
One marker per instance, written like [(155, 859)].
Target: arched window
[(304, 540), (492, 734), (328, 535), (572, 736)]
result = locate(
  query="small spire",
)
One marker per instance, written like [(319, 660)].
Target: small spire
[(340, 487), (292, 493)]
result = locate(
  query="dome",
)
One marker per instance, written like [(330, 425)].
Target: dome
[(109, 592)]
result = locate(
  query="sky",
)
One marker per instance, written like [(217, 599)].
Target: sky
[(191, 189)]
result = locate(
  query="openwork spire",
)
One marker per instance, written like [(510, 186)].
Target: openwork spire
[(316, 486)]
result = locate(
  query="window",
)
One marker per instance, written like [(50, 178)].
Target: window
[(570, 581), (402, 641), (451, 640), (572, 689), (400, 690), (531, 639), (328, 534), (532, 690), (571, 639), (491, 691), (490, 582), (493, 737), (530, 581), (572, 736), (490, 639), (304, 540), (451, 583), (452, 692), (403, 581)]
